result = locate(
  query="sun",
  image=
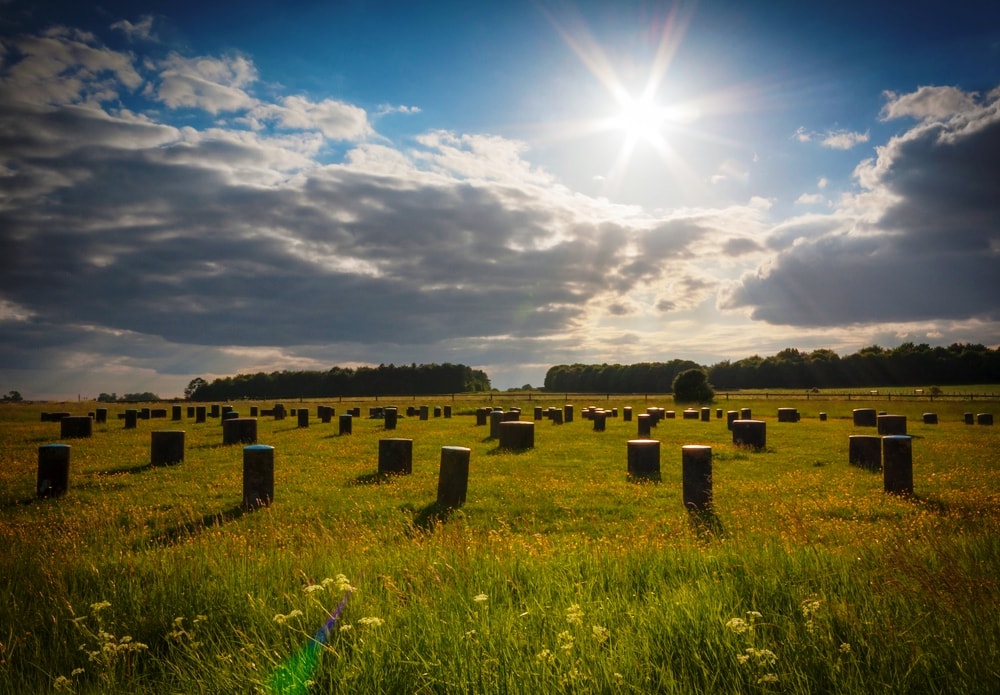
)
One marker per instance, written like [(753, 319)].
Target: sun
[(640, 119)]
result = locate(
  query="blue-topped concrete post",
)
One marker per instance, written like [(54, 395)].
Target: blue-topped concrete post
[(258, 476)]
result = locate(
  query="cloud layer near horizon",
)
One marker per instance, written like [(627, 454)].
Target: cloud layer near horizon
[(162, 211)]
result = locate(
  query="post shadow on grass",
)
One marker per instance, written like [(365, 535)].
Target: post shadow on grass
[(705, 522), (192, 528), (140, 468), (433, 514)]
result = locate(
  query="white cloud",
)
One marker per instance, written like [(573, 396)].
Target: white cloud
[(212, 84), (337, 120), (843, 139), (142, 30), (928, 103), (65, 66), (387, 109), (810, 199), (833, 139)]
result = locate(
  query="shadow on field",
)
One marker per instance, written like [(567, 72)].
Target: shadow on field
[(706, 523), (375, 478), (189, 528), (122, 470), (430, 516), (498, 450)]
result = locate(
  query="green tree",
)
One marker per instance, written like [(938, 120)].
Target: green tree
[(13, 397), (193, 387), (691, 386)]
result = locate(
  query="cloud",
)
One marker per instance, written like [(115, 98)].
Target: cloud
[(212, 84), (832, 139), (810, 199), (843, 139), (337, 120), (387, 109), (141, 30), (929, 250), (64, 66), (928, 103)]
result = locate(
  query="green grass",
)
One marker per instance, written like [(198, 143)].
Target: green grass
[(558, 574)]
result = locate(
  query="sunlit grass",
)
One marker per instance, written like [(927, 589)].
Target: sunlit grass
[(558, 574)]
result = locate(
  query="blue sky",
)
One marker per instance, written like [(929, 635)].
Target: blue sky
[(205, 189)]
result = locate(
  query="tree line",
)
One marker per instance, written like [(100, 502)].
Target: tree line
[(906, 365), (384, 380)]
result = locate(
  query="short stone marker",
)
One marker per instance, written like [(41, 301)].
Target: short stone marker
[(627, 414), (822, 416), (645, 425), (239, 430), (346, 423), (897, 464), (166, 447), (600, 419), (745, 414), (156, 413), (984, 419), (144, 413), (190, 411), (53, 470), (538, 412), (731, 416), (482, 416), (788, 414), (424, 413), (303, 417), (930, 418), (644, 459), (750, 433), (865, 451), (258, 476), (76, 427), (516, 435), (496, 417), (199, 414), (891, 424), (395, 456), (690, 414), (101, 415), (215, 410), (557, 416), (453, 476), (568, 413), (706, 414), (718, 413), (131, 418), (228, 415), (970, 419), (696, 476), (175, 412), (447, 412), (864, 417), (390, 417)]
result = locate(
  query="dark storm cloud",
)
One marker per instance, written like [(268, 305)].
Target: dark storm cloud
[(933, 249), (237, 238)]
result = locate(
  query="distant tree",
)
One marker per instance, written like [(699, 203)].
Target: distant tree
[(13, 397), (691, 386), (107, 398), (193, 387), (145, 396)]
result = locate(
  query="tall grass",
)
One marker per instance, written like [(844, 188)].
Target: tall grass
[(558, 574)]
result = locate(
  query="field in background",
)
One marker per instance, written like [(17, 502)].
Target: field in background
[(558, 575)]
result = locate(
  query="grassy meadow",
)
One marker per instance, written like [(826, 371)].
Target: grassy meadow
[(558, 575)]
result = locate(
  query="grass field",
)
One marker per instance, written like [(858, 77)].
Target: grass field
[(557, 575)]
